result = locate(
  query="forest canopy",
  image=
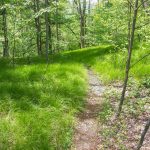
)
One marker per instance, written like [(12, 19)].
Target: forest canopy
[(70, 25)]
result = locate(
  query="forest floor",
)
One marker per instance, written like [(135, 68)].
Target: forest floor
[(86, 135), (125, 132), (96, 127)]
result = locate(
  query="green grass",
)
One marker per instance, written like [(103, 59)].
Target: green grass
[(108, 62), (112, 67), (38, 102), (37, 105)]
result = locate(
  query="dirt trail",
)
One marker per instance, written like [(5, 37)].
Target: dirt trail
[(86, 131)]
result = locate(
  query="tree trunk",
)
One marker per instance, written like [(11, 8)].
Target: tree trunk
[(81, 8), (129, 58), (143, 135), (14, 42), (50, 35), (89, 7), (57, 27), (5, 44), (38, 28), (130, 19), (82, 32), (47, 31)]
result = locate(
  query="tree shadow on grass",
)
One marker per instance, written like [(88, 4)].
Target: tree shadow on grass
[(84, 56), (19, 84)]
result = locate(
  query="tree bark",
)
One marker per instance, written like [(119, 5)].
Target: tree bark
[(5, 44), (14, 42), (50, 35), (82, 32), (81, 9), (38, 28), (131, 41), (57, 27), (47, 31), (143, 134), (130, 19)]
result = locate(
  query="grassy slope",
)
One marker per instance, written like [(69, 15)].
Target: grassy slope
[(37, 105)]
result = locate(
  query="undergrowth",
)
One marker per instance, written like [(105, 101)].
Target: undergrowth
[(38, 104), (124, 133), (110, 63)]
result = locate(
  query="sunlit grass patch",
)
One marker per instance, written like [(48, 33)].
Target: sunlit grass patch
[(108, 62)]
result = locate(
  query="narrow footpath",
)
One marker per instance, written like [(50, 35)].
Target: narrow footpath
[(87, 128)]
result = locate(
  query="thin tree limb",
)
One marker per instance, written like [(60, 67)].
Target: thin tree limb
[(142, 3), (130, 3), (147, 23), (143, 134), (140, 60), (71, 31)]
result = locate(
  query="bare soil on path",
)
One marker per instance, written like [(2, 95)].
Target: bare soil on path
[(86, 131)]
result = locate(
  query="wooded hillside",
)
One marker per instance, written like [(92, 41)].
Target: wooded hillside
[(74, 74)]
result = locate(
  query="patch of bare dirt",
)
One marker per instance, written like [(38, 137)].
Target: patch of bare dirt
[(86, 135)]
